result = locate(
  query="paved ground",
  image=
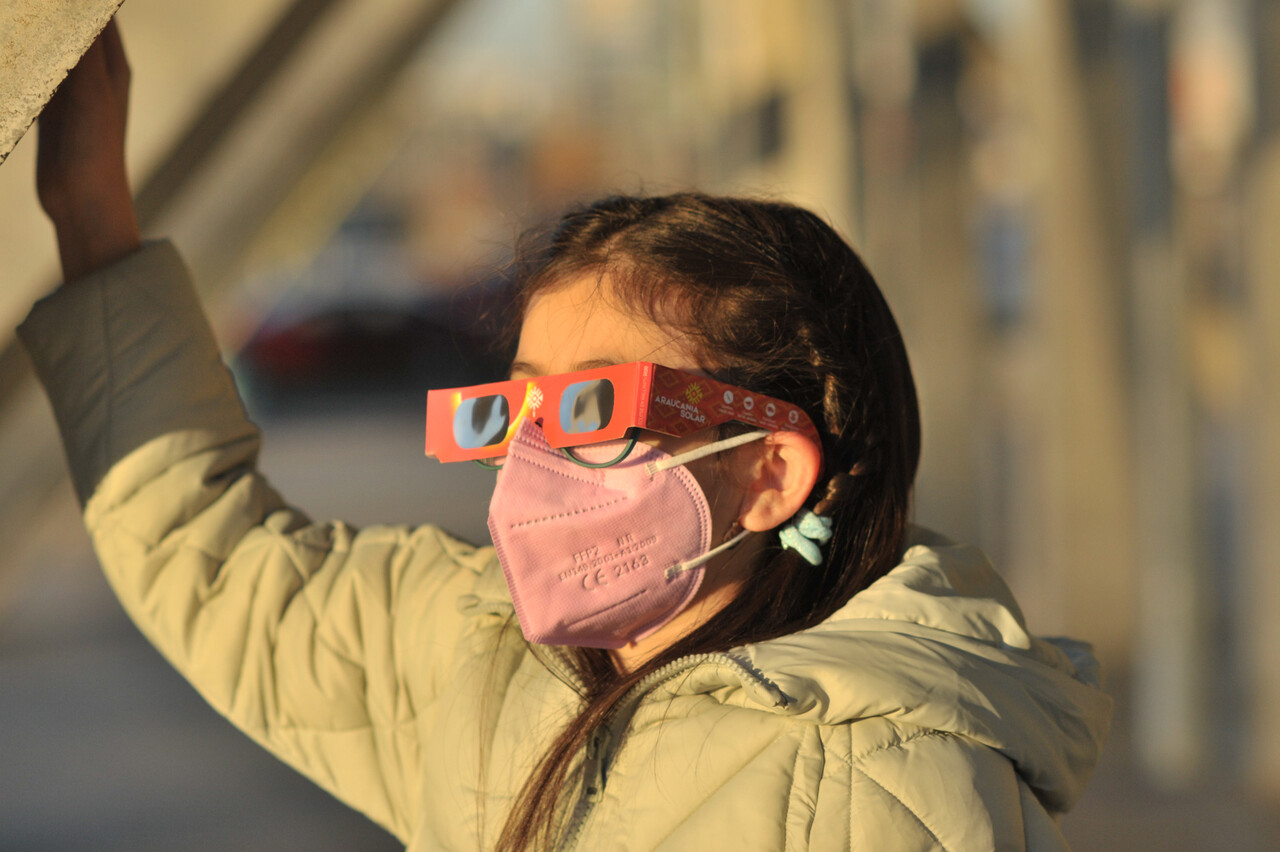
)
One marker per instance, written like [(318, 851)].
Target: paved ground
[(102, 747)]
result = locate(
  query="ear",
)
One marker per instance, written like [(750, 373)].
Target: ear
[(781, 478)]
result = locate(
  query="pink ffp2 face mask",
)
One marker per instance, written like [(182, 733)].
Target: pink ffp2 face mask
[(598, 557)]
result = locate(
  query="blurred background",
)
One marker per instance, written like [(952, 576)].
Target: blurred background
[(1073, 207)]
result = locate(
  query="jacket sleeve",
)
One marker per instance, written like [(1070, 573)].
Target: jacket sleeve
[(321, 642)]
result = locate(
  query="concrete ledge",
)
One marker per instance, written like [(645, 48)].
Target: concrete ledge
[(40, 41)]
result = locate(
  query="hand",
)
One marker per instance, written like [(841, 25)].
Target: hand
[(80, 172)]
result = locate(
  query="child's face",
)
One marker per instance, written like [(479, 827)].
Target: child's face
[(578, 326)]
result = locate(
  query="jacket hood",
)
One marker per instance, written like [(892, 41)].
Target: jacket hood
[(940, 643)]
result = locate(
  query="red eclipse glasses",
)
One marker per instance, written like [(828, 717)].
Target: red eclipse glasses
[(601, 404)]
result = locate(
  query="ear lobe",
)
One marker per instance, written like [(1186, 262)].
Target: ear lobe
[(782, 478)]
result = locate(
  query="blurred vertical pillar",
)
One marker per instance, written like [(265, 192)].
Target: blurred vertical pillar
[(1081, 543), (914, 207), (1169, 714), (821, 127), (773, 97), (1191, 314), (878, 68), (1260, 624), (1213, 110)]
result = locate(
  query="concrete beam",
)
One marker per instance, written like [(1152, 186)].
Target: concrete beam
[(40, 41)]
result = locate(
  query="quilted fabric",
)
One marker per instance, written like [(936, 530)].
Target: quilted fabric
[(384, 663)]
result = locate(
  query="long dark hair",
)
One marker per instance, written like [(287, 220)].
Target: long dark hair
[(773, 300)]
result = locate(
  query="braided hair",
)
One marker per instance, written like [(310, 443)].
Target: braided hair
[(774, 300)]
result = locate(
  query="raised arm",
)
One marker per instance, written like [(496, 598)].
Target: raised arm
[(322, 642)]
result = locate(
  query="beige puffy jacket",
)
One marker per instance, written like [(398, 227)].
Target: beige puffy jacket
[(383, 663)]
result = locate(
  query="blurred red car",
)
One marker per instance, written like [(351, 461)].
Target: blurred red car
[(379, 351)]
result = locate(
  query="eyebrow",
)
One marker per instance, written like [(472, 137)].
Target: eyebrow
[(524, 368)]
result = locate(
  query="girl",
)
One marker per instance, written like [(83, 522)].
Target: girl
[(707, 622)]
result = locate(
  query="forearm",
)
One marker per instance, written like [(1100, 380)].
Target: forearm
[(101, 233), (81, 176)]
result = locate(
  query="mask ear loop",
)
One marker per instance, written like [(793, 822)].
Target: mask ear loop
[(653, 468), (707, 449), (690, 564)]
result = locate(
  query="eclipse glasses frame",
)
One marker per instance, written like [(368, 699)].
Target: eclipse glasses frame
[(478, 422)]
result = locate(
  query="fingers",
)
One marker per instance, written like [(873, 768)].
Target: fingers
[(92, 63), (105, 59), (85, 81), (113, 51), (103, 71)]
